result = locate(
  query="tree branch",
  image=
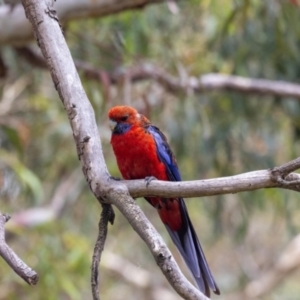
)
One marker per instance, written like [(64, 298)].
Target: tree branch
[(107, 215), (175, 85), (16, 30), (204, 83), (85, 132), (12, 259), (282, 174), (249, 181)]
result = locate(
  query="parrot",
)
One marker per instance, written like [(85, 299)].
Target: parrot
[(142, 152)]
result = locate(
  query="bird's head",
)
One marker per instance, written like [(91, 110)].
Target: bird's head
[(122, 118)]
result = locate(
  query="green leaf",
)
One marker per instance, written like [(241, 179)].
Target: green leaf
[(26, 177)]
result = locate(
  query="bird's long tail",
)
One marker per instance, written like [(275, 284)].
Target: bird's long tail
[(190, 249)]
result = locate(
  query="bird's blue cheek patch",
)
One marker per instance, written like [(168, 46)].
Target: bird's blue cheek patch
[(122, 128)]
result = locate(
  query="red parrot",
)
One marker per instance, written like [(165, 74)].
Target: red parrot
[(142, 151)]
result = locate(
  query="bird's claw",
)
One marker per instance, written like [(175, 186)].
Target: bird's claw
[(148, 179), (115, 178)]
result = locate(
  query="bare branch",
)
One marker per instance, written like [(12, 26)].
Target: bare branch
[(175, 85), (246, 85), (249, 181), (16, 30), (12, 259), (107, 215), (206, 82), (214, 81), (85, 132), (282, 174)]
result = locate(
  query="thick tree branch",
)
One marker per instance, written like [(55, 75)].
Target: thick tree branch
[(82, 120), (16, 30), (12, 259)]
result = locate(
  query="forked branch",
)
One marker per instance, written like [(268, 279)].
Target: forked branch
[(12, 259)]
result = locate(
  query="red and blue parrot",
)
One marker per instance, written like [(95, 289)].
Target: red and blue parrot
[(142, 151)]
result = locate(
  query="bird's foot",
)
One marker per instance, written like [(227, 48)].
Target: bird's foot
[(115, 178), (148, 179)]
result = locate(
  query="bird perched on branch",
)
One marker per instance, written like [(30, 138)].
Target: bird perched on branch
[(142, 151)]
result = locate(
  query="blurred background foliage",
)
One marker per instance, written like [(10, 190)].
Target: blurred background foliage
[(212, 134)]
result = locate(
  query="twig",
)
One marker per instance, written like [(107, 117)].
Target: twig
[(107, 215), (282, 175), (29, 275)]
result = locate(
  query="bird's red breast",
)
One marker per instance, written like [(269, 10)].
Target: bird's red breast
[(135, 149)]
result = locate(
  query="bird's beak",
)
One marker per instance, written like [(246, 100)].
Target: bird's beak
[(112, 124)]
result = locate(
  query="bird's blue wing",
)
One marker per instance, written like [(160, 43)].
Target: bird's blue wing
[(165, 154), (182, 238)]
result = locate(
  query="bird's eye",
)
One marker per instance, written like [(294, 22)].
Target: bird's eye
[(123, 119)]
